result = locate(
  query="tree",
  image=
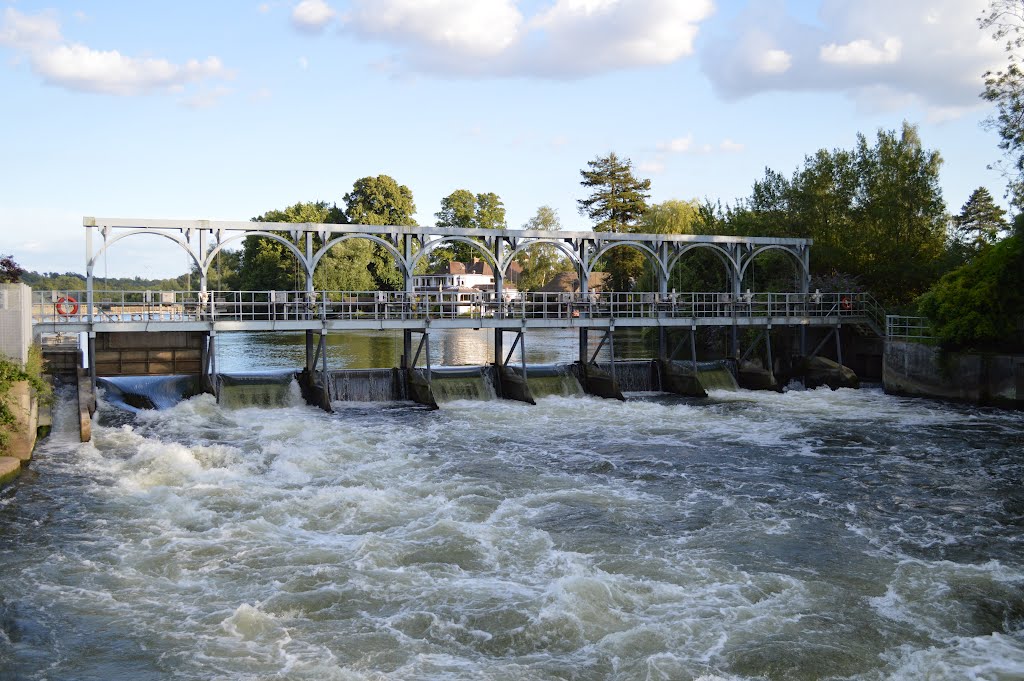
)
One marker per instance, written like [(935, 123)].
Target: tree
[(671, 217), (1005, 89), (618, 199), (875, 212), (268, 265), (616, 204), (981, 304), (542, 262), (10, 271), (381, 201), (463, 210), (979, 223)]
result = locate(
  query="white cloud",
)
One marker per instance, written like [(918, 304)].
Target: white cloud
[(312, 16), (303, 63), (731, 147), (774, 61), (862, 52), (23, 32), (678, 146), (565, 39), (883, 54), (77, 67)]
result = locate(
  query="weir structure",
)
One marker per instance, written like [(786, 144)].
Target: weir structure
[(162, 332)]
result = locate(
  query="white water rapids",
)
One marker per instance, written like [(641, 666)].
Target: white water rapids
[(805, 535)]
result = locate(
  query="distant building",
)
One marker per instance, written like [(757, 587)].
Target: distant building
[(467, 278), (469, 281), (567, 282)]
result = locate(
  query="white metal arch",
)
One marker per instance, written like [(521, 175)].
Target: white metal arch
[(758, 251), (561, 245), (434, 244), (399, 260), (107, 243), (731, 266), (270, 235), (651, 256)]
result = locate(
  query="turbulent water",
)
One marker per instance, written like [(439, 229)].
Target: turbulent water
[(804, 535)]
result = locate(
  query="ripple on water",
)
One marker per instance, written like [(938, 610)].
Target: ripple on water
[(803, 535)]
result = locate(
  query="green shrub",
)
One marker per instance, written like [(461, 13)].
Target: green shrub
[(11, 373), (979, 305)]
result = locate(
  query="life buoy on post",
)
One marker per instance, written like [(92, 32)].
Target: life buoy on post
[(67, 300), (844, 302)]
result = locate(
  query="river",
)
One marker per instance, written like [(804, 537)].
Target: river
[(802, 535)]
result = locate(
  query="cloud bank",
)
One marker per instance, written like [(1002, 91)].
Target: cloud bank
[(882, 53), (564, 39), (38, 40)]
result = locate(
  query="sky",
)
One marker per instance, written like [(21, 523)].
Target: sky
[(228, 109)]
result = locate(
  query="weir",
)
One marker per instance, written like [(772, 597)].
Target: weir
[(175, 332)]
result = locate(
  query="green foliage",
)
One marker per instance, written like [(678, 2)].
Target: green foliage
[(981, 304), (266, 264), (671, 217), (1005, 89), (618, 199), (542, 262), (875, 212), (379, 201), (10, 271), (617, 202), (979, 223), (72, 281), (463, 210), (11, 373)]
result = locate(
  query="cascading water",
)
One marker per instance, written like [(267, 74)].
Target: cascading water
[(716, 376), (268, 389), (450, 384), (805, 535), (552, 380), (132, 393), (366, 385)]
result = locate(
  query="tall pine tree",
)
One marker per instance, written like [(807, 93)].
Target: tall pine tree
[(618, 199)]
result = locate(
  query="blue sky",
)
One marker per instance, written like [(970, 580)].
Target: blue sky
[(224, 110)]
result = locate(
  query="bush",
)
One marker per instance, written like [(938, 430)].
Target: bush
[(11, 373), (980, 305)]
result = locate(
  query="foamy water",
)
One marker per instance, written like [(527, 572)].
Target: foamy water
[(804, 535)]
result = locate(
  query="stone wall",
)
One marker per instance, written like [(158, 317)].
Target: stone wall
[(926, 371)]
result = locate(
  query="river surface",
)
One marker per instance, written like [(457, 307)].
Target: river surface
[(803, 535)]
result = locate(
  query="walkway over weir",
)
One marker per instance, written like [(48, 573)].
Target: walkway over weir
[(172, 331)]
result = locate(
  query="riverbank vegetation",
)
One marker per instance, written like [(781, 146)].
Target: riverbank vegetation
[(11, 373)]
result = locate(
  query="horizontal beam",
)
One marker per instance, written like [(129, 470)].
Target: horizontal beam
[(420, 324), (420, 231)]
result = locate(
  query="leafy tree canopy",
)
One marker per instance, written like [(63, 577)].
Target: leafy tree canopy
[(979, 223), (1005, 88), (617, 199), (379, 201), (463, 210), (542, 262), (10, 271)]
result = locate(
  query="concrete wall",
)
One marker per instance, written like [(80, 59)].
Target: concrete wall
[(15, 321), (926, 371)]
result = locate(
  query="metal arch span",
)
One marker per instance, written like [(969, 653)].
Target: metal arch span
[(411, 244)]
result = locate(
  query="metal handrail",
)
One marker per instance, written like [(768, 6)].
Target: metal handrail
[(901, 327), (176, 306)]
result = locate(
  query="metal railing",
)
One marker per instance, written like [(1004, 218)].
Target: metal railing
[(918, 329), (69, 307)]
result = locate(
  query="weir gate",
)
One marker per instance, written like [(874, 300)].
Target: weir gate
[(174, 332)]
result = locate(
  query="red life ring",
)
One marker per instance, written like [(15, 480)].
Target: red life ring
[(69, 300), (845, 303)]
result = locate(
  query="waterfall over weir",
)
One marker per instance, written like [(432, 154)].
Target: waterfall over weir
[(546, 380), (134, 393), (267, 389), (367, 385), (462, 383), (716, 375)]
